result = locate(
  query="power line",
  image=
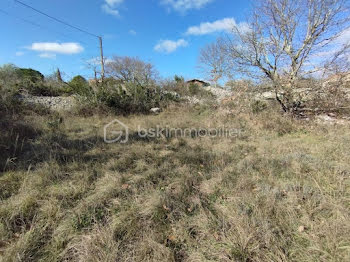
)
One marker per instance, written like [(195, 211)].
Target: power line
[(74, 27), (37, 25), (56, 19)]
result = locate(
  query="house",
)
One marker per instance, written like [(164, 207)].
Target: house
[(198, 82)]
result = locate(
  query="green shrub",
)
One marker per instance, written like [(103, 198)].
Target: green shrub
[(124, 98), (79, 85), (12, 76), (130, 98), (14, 79), (179, 79), (42, 89), (30, 75)]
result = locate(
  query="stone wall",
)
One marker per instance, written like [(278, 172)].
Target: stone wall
[(54, 103)]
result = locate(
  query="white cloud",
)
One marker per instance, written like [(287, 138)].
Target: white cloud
[(132, 32), (169, 46), (223, 25), (332, 49), (57, 48), (109, 7), (19, 53), (109, 10), (184, 5), (113, 2), (97, 61), (48, 55), (344, 37)]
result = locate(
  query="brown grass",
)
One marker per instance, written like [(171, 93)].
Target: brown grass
[(278, 192)]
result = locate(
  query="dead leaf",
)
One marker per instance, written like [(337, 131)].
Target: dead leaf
[(172, 238), (301, 229)]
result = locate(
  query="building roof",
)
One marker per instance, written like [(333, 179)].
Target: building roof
[(197, 80)]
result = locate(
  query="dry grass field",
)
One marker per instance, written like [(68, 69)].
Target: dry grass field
[(280, 191), (261, 172)]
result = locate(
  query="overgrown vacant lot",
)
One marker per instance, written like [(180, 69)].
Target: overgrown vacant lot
[(278, 192)]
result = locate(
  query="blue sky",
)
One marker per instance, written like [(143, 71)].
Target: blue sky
[(167, 33)]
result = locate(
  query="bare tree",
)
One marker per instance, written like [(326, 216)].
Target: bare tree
[(94, 64), (131, 69), (285, 40), (213, 63), (339, 64)]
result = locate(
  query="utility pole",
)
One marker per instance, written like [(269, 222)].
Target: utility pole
[(102, 60), (74, 27)]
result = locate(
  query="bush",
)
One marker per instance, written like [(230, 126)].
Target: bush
[(331, 98), (79, 85), (132, 98), (258, 106), (15, 79), (193, 89), (30, 75), (6, 100), (42, 89), (8, 76), (177, 85), (11, 75), (179, 79), (125, 98)]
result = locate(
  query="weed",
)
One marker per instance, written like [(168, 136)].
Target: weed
[(279, 194)]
